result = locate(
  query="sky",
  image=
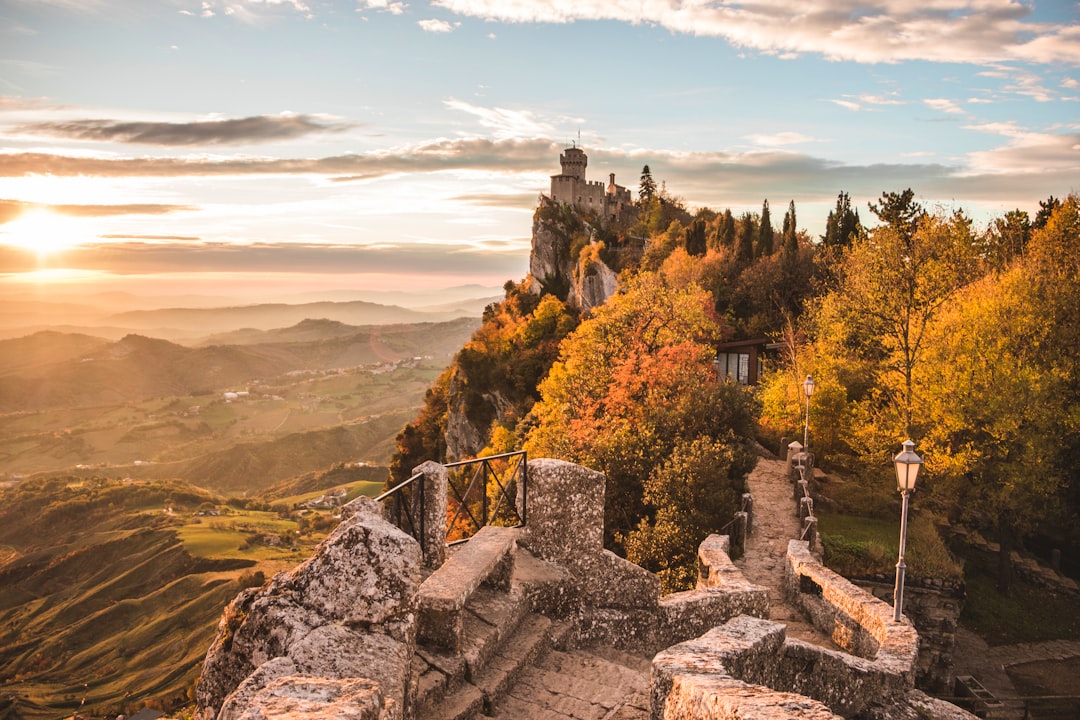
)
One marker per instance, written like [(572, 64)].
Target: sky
[(234, 146)]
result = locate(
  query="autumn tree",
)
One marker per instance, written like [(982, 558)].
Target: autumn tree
[(695, 237), (899, 211), (630, 383), (790, 238), (745, 232), (694, 493), (1047, 208), (725, 231), (1006, 239), (991, 409), (893, 285)]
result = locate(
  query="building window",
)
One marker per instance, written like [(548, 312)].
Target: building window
[(744, 368), (734, 366)]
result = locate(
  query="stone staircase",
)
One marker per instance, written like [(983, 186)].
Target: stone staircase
[(515, 657)]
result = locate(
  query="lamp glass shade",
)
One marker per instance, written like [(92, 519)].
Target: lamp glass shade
[(907, 467), (808, 386)]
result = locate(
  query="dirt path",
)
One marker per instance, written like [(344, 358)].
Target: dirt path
[(763, 563)]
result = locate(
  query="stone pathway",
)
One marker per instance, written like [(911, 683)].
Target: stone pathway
[(587, 684), (763, 563)]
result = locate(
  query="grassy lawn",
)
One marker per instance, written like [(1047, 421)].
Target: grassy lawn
[(222, 537), (858, 546)]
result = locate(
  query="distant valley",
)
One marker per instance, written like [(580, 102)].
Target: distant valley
[(252, 408), (144, 481)]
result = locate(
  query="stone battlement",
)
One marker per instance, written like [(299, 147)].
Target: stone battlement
[(349, 626)]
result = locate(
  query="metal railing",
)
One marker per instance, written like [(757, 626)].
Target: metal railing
[(406, 507), (488, 496)]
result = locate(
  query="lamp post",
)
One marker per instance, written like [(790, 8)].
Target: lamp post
[(808, 390), (907, 469)]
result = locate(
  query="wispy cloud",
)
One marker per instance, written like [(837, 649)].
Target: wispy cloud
[(158, 255), (12, 209), (868, 101), (256, 129), (505, 123), (780, 139), (1028, 151), (467, 154), (944, 105), (967, 31)]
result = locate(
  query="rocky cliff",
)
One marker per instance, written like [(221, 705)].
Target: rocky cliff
[(559, 261)]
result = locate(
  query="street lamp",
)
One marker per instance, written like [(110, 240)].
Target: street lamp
[(808, 390), (907, 469)]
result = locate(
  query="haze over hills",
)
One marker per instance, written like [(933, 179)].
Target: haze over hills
[(190, 318), (300, 398)]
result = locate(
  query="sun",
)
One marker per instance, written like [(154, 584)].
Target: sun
[(43, 232)]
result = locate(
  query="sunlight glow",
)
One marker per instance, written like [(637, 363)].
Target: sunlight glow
[(43, 232)]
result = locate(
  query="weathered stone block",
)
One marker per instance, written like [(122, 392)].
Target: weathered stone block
[(436, 481), (361, 581), (487, 558), (316, 698), (566, 510)]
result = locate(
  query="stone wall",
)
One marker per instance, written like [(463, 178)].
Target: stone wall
[(620, 602), (855, 620), (347, 612), (934, 608)]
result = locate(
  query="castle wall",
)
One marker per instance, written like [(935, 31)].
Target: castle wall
[(572, 188)]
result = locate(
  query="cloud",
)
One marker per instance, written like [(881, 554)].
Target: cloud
[(506, 259), (966, 31), (394, 8), (255, 129), (1028, 152), (466, 154), (516, 201), (12, 209), (859, 102), (781, 139), (166, 238), (944, 105), (507, 123), (848, 104), (437, 26)]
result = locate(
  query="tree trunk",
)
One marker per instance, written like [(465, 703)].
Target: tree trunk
[(1005, 566)]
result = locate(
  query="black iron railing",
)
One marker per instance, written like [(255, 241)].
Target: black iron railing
[(483, 491), (404, 506)]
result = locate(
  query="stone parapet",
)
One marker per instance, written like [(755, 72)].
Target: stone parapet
[(855, 620), (725, 673)]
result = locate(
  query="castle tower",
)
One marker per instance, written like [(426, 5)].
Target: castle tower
[(573, 162)]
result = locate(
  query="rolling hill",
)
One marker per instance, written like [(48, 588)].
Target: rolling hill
[(50, 370)]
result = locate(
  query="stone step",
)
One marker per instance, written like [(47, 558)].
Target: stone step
[(489, 618), (484, 686), (595, 684)]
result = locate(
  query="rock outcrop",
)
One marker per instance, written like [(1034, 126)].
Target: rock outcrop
[(556, 267), (348, 612)]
